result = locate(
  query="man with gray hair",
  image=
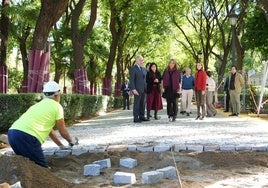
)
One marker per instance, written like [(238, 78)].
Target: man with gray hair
[(30, 131), (137, 87), (187, 91)]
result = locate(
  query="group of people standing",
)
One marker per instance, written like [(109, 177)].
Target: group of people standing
[(145, 85)]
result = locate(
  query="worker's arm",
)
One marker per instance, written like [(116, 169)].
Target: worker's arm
[(63, 130), (54, 137)]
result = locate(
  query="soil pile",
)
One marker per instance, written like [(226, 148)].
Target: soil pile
[(17, 168)]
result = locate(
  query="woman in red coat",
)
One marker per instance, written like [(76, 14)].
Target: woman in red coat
[(200, 90), (153, 99)]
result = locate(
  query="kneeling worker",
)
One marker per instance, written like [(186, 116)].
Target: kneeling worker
[(31, 130)]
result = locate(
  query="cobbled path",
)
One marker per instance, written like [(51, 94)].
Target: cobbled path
[(117, 128)]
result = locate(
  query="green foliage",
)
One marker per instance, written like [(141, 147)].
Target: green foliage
[(91, 105), (256, 36), (74, 106), (12, 107), (118, 102), (14, 79)]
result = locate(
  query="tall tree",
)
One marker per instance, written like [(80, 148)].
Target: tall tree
[(51, 11), (39, 55), (23, 19), (79, 39), (116, 27), (4, 23), (256, 35)]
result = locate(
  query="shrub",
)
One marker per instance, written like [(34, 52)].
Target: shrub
[(75, 106)]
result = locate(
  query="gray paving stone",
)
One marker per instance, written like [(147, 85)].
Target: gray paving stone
[(49, 152), (128, 162), (145, 148), (91, 149), (197, 148), (161, 148), (211, 148), (105, 163), (259, 148), (227, 148), (179, 147), (16, 185), (62, 153), (98, 149), (92, 170), (124, 178), (132, 147), (169, 172), (243, 147), (152, 177), (79, 150)]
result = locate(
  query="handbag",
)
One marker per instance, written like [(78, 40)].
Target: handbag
[(164, 95)]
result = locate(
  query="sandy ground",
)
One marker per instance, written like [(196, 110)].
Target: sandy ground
[(207, 169)]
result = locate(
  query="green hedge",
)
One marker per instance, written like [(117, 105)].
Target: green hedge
[(75, 106), (12, 106)]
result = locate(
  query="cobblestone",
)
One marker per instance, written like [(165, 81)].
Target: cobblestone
[(124, 178), (152, 177), (128, 162)]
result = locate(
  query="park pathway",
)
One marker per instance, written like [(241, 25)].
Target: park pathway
[(117, 128)]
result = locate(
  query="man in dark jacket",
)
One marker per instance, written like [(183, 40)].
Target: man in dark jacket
[(137, 87), (125, 92)]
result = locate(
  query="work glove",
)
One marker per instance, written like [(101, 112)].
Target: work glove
[(63, 147), (74, 141)]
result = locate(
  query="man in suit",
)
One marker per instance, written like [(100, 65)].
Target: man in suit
[(137, 87), (125, 93)]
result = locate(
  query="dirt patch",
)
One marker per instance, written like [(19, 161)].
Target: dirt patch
[(207, 169), (17, 168)]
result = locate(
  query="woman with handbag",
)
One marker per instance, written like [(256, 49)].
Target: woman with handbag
[(171, 88), (153, 98)]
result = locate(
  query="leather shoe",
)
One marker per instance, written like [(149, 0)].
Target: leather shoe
[(233, 115), (144, 119), (197, 117), (137, 121)]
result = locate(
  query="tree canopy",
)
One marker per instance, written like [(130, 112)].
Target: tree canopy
[(104, 37)]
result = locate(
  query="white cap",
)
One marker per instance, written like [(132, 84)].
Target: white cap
[(51, 87)]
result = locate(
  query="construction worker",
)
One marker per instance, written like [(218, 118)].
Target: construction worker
[(30, 131)]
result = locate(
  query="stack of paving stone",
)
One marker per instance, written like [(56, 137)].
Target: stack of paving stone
[(150, 177)]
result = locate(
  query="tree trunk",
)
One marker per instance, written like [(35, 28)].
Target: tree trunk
[(113, 28), (79, 40), (4, 22), (23, 49), (119, 66), (39, 55), (51, 11)]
